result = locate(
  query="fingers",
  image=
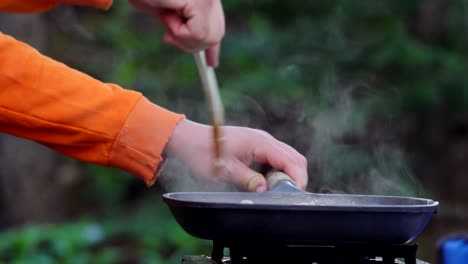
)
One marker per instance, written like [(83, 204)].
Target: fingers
[(241, 175), (298, 174), (175, 24), (283, 158), (194, 26), (150, 5), (181, 37), (191, 143)]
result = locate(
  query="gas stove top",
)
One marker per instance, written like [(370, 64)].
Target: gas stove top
[(264, 252)]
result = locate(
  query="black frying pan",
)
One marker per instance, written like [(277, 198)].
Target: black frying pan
[(288, 214)]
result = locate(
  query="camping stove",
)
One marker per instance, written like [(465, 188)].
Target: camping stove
[(264, 252)]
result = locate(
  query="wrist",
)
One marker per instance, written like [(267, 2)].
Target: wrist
[(177, 138), (186, 136)]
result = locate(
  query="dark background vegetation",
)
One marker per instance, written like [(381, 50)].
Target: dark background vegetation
[(374, 93)]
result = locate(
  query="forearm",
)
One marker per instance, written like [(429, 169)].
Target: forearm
[(32, 6), (66, 110)]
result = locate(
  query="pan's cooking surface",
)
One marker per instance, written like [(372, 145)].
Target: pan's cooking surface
[(304, 201)]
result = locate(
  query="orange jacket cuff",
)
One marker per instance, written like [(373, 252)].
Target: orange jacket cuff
[(138, 148), (103, 4), (32, 6)]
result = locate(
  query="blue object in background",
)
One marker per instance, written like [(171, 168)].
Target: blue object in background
[(454, 250)]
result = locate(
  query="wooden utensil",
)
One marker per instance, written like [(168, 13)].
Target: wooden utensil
[(213, 99)]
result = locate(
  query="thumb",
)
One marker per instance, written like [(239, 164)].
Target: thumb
[(245, 177), (256, 182), (212, 55)]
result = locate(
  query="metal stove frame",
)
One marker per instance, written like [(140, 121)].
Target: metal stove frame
[(264, 252)]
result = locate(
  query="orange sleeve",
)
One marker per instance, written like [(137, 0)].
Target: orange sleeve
[(68, 111), (31, 6)]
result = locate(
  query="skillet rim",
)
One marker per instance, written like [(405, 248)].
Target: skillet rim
[(431, 206)]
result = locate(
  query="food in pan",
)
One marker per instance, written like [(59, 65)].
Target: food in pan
[(309, 203)]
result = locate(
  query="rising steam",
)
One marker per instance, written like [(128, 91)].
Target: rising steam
[(356, 151)]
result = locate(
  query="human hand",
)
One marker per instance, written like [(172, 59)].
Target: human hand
[(193, 25), (192, 144)]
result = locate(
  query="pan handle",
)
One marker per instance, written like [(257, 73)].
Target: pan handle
[(278, 181)]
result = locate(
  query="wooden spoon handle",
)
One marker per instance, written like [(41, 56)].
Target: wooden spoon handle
[(213, 99)]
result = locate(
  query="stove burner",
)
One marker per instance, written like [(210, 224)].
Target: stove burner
[(249, 253)]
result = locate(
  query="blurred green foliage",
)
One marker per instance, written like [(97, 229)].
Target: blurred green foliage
[(146, 234), (343, 64), (277, 52)]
